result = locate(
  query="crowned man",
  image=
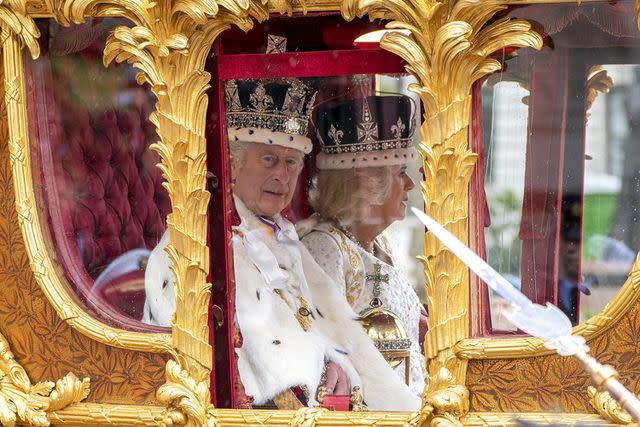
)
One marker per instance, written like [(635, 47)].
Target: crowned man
[(298, 332)]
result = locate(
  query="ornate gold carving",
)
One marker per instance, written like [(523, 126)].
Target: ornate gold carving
[(598, 81), (55, 287), (168, 44), (443, 403), (185, 398), (84, 414), (357, 400), (22, 402), (14, 19), (308, 6), (40, 8), (45, 8), (320, 417), (447, 51), (485, 419), (448, 399), (492, 348), (306, 417), (607, 406)]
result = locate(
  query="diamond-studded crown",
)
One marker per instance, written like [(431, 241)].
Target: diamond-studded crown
[(371, 123), (279, 105)]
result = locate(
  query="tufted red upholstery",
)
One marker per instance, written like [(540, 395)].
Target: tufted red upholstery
[(100, 182), (109, 185)]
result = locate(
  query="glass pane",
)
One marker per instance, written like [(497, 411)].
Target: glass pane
[(324, 255), (560, 167), (611, 192), (96, 175), (504, 136)]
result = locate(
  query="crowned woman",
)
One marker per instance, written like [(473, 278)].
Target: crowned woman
[(359, 190)]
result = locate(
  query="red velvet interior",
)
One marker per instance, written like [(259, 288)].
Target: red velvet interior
[(109, 185), (100, 183), (313, 32)]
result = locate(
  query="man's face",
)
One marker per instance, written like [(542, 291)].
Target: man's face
[(266, 178)]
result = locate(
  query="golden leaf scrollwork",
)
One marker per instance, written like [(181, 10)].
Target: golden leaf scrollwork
[(598, 81), (306, 417), (187, 400), (168, 44), (14, 18), (607, 406), (445, 399), (22, 402)]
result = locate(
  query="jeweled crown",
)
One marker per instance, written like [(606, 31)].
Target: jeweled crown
[(280, 105), (365, 124)]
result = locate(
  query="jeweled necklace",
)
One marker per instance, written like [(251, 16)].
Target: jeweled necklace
[(354, 239)]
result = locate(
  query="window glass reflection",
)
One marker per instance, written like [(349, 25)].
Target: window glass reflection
[(559, 158), (610, 218), (504, 136), (98, 178)]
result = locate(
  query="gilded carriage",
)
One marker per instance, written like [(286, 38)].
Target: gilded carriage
[(529, 115)]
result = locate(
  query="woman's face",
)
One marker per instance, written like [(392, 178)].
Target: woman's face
[(394, 207)]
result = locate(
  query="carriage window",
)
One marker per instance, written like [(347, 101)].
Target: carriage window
[(611, 177), (95, 173), (559, 170), (322, 170), (314, 170)]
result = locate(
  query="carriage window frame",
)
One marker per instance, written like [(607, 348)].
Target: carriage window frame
[(224, 376)]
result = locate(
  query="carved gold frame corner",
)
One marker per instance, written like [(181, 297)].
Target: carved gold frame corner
[(24, 403)]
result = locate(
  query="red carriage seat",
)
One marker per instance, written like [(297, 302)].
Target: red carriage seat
[(99, 178)]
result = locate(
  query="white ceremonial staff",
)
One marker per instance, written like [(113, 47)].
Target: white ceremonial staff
[(547, 322)]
